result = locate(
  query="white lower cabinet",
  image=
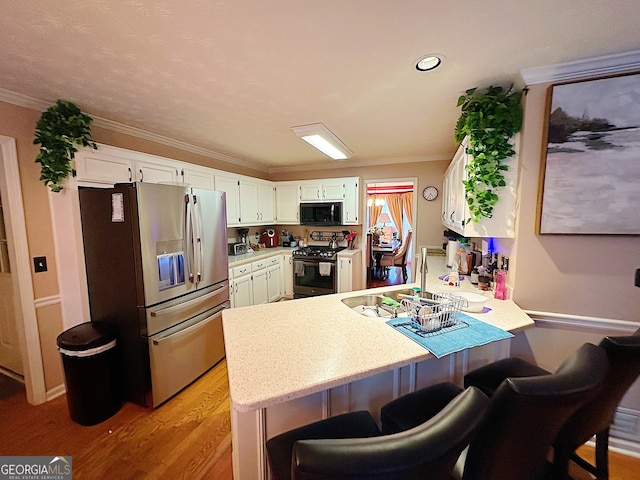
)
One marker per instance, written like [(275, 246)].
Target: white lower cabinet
[(257, 282), (349, 270), (287, 275)]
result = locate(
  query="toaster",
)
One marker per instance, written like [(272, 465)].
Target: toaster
[(237, 248)]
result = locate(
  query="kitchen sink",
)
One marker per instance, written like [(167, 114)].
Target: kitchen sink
[(371, 305)]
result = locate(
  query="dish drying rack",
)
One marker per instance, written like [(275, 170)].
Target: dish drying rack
[(433, 315), (320, 236)]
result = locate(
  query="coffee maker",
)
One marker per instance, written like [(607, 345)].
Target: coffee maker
[(243, 234)]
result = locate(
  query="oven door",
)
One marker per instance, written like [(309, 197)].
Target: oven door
[(313, 277)]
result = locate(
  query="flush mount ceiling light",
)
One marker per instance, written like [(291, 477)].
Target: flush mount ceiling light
[(323, 139), (429, 62)]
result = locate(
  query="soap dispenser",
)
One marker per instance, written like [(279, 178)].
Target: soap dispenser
[(501, 285)]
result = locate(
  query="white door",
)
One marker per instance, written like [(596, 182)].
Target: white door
[(9, 354)]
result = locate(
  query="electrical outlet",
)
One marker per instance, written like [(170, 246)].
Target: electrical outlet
[(39, 264)]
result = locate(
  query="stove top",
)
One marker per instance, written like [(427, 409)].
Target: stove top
[(317, 252)]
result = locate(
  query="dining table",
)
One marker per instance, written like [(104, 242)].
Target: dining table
[(378, 251)]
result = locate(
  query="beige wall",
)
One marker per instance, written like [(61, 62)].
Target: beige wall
[(591, 275)]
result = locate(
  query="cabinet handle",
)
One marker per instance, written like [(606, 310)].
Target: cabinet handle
[(130, 173), (141, 176)]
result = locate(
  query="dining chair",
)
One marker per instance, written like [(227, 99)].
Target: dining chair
[(398, 258), (593, 418), (522, 419), (350, 446)]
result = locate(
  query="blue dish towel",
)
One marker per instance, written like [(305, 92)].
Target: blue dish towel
[(466, 333)]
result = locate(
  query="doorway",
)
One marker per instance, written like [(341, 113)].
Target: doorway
[(18, 317), (390, 231)]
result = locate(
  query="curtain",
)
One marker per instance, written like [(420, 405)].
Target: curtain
[(374, 212), (394, 203), (407, 203)]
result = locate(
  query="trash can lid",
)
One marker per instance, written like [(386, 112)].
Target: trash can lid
[(86, 336)]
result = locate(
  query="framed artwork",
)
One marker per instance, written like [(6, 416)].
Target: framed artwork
[(591, 170)]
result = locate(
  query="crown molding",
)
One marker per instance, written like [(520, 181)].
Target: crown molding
[(40, 106), (624, 62), (350, 163)]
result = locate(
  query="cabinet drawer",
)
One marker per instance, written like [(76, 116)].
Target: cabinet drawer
[(241, 270), (258, 265), (273, 260)]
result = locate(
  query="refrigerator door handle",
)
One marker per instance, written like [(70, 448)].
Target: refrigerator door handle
[(188, 250), (199, 302), (197, 204), (158, 339)]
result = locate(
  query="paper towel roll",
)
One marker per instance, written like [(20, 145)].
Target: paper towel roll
[(452, 248)]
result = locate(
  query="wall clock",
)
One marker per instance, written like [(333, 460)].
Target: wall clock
[(430, 193)]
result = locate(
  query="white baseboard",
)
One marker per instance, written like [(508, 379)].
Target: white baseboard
[(55, 392)]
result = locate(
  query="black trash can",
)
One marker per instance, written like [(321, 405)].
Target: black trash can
[(91, 372)]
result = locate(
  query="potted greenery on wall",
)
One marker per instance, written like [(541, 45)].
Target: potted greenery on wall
[(490, 117), (59, 130)]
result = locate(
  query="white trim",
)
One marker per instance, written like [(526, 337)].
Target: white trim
[(27, 321), (558, 320), (589, 67), (47, 301), (55, 392)]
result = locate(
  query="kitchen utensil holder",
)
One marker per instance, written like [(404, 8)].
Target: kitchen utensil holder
[(320, 236), (432, 315)]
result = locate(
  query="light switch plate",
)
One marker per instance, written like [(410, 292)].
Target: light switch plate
[(40, 264)]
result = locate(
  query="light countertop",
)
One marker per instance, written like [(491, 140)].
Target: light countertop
[(286, 350)]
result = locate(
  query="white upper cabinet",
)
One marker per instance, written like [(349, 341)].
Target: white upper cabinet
[(104, 166), (288, 202), (231, 186), (198, 177), (322, 190), (351, 201), (157, 172), (456, 214), (250, 201)]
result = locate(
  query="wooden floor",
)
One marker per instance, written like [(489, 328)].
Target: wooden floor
[(186, 438)]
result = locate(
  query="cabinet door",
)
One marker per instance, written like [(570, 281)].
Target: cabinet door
[(243, 291), (266, 199), (249, 210), (198, 178), (345, 275), (151, 172), (274, 282), (95, 166), (310, 192), (260, 287), (287, 275), (231, 186), (288, 203), (333, 189), (351, 201)]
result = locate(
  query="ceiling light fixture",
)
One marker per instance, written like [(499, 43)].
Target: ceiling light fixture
[(324, 140), (429, 62)]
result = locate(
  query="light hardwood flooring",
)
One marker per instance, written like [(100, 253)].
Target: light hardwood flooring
[(189, 437)]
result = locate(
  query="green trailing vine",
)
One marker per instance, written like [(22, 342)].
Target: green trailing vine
[(490, 117), (59, 130)]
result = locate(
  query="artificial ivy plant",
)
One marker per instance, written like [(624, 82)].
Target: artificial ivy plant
[(490, 117), (59, 130)]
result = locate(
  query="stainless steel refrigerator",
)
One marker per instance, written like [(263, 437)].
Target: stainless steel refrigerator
[(156, 261)]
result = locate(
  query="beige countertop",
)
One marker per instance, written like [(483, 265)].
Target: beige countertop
[(286, 350), (235, 260)]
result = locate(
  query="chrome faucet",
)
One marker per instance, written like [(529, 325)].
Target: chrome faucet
[(424, 269)]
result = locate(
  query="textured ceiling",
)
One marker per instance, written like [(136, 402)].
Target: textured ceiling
[(234, 76)]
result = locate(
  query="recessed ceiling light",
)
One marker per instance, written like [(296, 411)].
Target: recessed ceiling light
[(428, 62)]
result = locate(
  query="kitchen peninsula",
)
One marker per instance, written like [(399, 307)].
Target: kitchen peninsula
[(291, 363)]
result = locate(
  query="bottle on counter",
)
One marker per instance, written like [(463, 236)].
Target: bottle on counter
[(501, 284), (474, 276)]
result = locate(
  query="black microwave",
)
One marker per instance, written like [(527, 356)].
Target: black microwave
[(329, 213)]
